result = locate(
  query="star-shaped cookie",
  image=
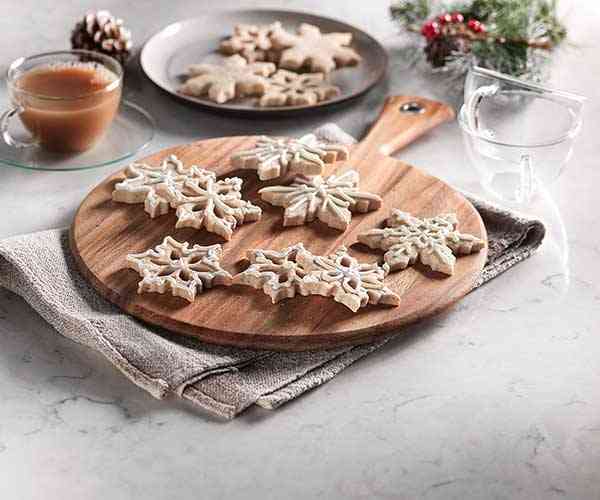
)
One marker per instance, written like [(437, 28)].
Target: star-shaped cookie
[(433, 241), (292, 89), (144, 183), (234, 77), (321, 52), (341, 276), (296, 271), (216, 205), (176, 268), (251, 41), (276, 273), (331, 200), (273, 157)]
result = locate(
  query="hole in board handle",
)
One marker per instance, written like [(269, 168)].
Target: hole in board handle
[(412, 107)]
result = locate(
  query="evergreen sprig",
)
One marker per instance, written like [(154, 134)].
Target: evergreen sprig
[(518, 34)]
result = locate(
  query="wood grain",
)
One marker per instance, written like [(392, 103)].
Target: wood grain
[(395, 128), (104, 232)]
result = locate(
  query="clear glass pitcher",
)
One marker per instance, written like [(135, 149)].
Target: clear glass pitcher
[(519, 135)]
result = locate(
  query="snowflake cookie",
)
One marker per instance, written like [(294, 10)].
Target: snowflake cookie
[(145, 183), (348, 281), (295, 271), (321, 52), (216, 205), (235, 77), (292, 89), (331, 200), (272, 157), (174, 267), (433, 241), (276, 273), (250, 41)]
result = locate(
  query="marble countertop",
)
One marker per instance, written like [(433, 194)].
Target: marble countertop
[(499, 399)]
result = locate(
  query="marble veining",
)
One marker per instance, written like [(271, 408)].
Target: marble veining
[(497, 399)]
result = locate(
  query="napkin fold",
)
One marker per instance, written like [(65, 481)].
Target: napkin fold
[(222, 380)]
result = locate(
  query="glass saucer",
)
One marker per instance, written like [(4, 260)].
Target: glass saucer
[(131, 131)]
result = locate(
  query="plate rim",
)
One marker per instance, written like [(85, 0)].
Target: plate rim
[(274, 110)]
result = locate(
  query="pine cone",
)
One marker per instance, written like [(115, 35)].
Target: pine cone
[(438, 49), (102, 32)]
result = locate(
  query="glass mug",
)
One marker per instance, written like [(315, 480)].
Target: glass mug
[(66, 100), (518, 135)]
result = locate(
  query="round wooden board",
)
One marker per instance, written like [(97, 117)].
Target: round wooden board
[(104, 232)]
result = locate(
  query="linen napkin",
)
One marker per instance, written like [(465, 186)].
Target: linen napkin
[(222, 380)]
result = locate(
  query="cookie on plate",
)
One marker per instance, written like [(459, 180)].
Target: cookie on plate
[(251, 41), (234, 77), (292, 89), (308, 47)]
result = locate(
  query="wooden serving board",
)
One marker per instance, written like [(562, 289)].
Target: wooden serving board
[(104, 232)]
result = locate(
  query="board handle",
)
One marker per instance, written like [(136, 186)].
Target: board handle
[(403, 119)]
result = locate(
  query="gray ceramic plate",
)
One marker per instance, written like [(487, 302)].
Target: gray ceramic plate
[(167, 54)]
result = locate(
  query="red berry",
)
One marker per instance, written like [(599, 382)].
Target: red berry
[(430, 30), (445, 18), (475, 25), (457, 17)]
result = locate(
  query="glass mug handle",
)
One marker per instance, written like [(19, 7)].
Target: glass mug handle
[(6, 135), (474, 102)]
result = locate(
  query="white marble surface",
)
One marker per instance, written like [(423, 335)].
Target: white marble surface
[(499, 399)]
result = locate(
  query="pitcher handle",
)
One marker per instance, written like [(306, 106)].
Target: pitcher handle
[(474, 102), (527, 184)]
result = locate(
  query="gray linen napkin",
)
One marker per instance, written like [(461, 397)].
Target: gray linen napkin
[(222, 380)]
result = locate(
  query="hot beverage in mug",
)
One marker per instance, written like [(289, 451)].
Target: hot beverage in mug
[(66, 105)]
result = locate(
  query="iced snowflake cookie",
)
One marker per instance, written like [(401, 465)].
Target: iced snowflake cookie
[(275, 273), (292, 89), (234, 77), (295, 271), (216, 205), (433, 241), (321, 52), (154, 185), (250, 41), (331, 200), (174, 267), (348, 281), (272, 157)]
